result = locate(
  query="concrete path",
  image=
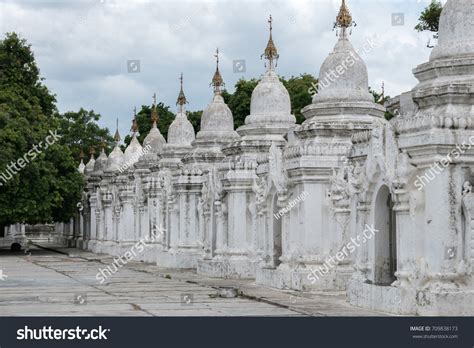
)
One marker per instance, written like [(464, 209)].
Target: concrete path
[(62, 282)]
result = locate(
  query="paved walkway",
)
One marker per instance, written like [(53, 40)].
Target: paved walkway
[(62, 282)]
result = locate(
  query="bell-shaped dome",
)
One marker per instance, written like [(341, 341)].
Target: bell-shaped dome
[(101, 162), (81, 168), (133, 152), (270, 107), (270, 102), (217, 120), (115, 160), (89, 169), (456, 30), (343, 75), (154, 141), (181, 131)]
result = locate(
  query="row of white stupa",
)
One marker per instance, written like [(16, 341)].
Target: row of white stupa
[(180, 133), (428, 273), (270, 109)]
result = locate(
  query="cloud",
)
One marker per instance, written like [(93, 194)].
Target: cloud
[(82, 47)]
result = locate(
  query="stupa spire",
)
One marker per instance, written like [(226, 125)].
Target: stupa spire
[(181, 97), (344, 19), (117, 134), (92, 151), (217, 81), (82, 166), (103, 145), (154, 112), (271, 52), (134, 128)]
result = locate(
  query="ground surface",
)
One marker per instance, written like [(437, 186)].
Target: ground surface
[(62, 282)]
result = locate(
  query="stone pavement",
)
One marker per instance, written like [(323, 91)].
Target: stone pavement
[(62, 282)]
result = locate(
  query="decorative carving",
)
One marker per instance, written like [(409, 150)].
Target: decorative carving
[(165, 183), (204, 199), (466, 189), (261, 188), (424, 121), (339, 185), (107, 197), (277, 172), (218, 188), (404, 170), (375, 157), (356, 179)]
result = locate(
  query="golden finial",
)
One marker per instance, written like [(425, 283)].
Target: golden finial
[(271, 52), (103, 145), (92, 151), (117, 134), (154, 112), (134, 126), (81, 154), (181, 97), (344, 18), (217, 80)]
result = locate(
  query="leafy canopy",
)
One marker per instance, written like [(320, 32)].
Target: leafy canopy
[(429, 18), (46, 188)]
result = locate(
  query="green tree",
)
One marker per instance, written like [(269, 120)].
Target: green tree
[(166, 117), (239, 101), (429, 18), (381, 98), (39, 184), (81, 130), (298, 88), (195, 118)]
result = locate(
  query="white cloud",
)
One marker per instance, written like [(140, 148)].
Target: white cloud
[(82, 47)]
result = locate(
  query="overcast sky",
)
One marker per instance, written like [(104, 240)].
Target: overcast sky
[(83, 48)]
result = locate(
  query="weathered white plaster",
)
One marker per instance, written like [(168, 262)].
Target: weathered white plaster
[(276, 202)]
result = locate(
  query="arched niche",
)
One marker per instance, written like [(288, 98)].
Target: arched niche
[(276, 237), (385, 252)]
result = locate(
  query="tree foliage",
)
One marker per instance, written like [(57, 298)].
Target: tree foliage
[(429, 18), (381, 98), (195, 118), (166, 117), (47, 187), (298, 88), (239, 101), (81, 130)]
